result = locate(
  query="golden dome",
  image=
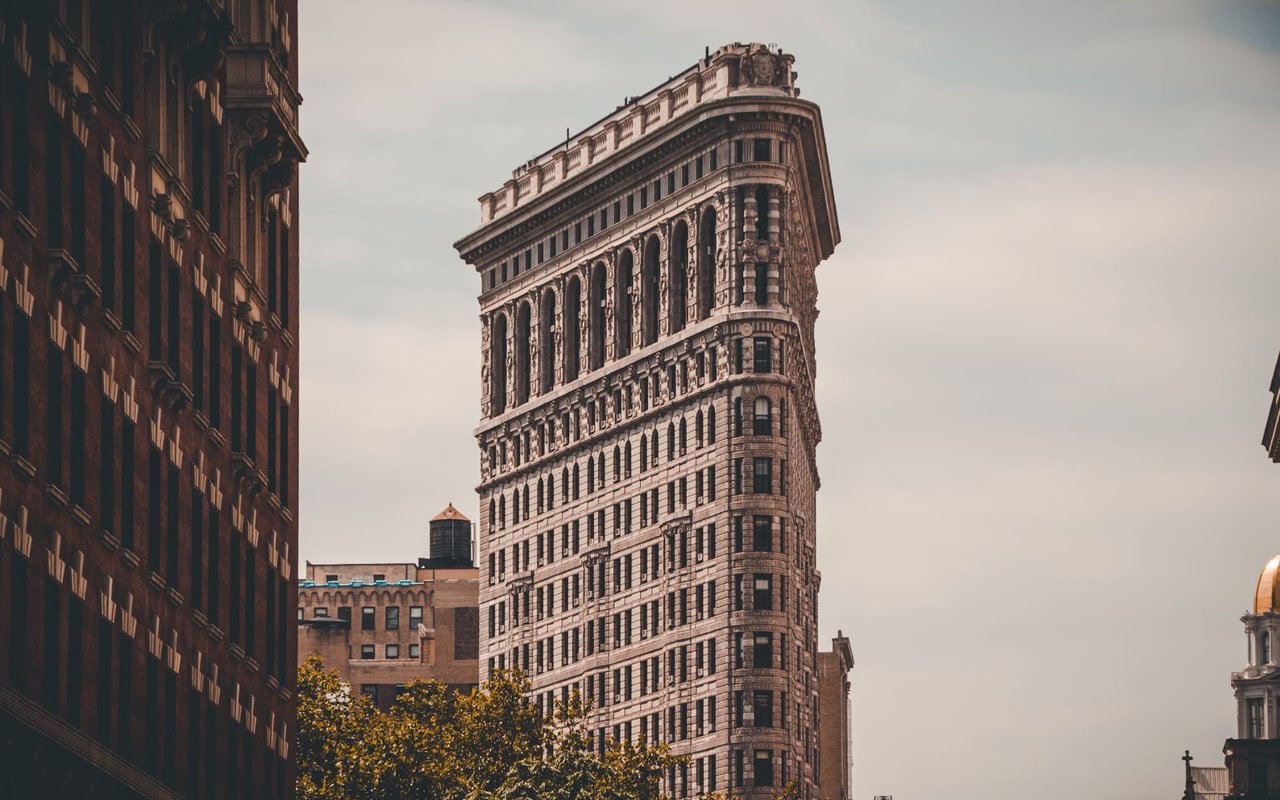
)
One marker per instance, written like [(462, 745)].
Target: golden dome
[(1267, 598), (450, 513)]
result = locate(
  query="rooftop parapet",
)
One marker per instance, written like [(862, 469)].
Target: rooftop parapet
[(735, 69)]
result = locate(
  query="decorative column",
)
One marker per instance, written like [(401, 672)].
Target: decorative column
[(747, 251), (486, 375), (607, 318), (534, 299), (584, 318), (512, 323), (664, 279), (775, 251)]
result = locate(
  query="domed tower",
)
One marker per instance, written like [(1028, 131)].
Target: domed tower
[(1253, 758), (450, 539)]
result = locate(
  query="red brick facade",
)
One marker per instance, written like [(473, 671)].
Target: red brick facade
[(148, 409)]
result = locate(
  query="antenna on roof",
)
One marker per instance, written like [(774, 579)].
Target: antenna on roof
[(566, 138), (707, 55)]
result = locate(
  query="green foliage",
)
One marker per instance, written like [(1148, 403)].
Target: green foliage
[(491, 744)]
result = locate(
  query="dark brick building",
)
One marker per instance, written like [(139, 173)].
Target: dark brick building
[(148, 415)]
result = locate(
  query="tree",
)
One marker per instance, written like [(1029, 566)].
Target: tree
[(491, 744)]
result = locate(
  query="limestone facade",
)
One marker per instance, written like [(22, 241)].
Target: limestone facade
[(383, 625), (648, 421)]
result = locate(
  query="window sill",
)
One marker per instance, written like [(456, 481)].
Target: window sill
[(24, 225), (130, 557), (155, 580), (110, 541), (79, 514), (176, 598), (56, 494)]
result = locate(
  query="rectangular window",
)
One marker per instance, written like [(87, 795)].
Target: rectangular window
[(107, 239), (393, 651), (762, 150), (761, 475), (762, 650), (79, 433), (344, 613), (171, 528), (366, 652), (213, 564), (762, 534), (762, 360), (1256, 719), (367, 618), (393, 618), (762, 767), (196, 563), (415, 617), (54, 426), (155, 485), (415, 651), (763, 595), (215, 372)]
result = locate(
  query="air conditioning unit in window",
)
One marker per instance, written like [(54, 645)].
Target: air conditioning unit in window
[(699, 672), (617, 697), (575, 601), (697, 731), (698, 616)]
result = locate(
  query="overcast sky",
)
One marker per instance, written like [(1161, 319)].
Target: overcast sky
[(1043, 354)]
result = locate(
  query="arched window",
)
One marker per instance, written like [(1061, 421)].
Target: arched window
[(591, 474), (671, 441), (762, 421), (649, 292), (498, 364), (617, 463), (600, 469), (1264, 648), (711, 425), (737, 416), (576, 483), (542, 495), (678, 284), (522, 353), (547, 349), (626, 459), (653, 447), (502, 511), (493, 514), (515, 506), (624, 281), (706, 262), (524, 498), (572, 329), (564, 485), (595, 318), (698, 428), (551, 492), (644, 452), (684, 435)]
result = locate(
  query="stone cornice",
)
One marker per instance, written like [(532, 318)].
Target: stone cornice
[(710, 124)]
